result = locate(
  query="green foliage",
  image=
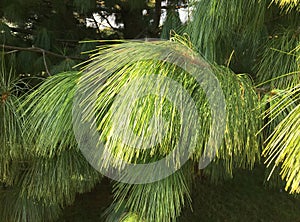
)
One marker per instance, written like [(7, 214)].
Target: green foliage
[(241, 147), (288, 4), (280, 57), (172, 23), (159, 201), (15, 207), (48, 112), (41, 167), (49, 170), (85, 6), (11, 125), (64, 175), (283, 145), (277, 105), (219, 27), (119, 64), (46, 33), (64, 66)]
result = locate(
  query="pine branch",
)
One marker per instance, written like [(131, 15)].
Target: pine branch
[(45, 63), (174, 6), (108, 22), (157, 13), (96, 23), (40, 50)]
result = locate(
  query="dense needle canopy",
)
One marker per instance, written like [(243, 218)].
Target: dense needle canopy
[(251, 47)]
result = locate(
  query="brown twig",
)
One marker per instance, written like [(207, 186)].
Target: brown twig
[(45, 63), (96, 23), (108, 22), (40, 50)]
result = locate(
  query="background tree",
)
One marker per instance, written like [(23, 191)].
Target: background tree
[(43, 35), (42, 169)]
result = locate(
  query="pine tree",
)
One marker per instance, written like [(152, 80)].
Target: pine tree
[(251, 47)]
